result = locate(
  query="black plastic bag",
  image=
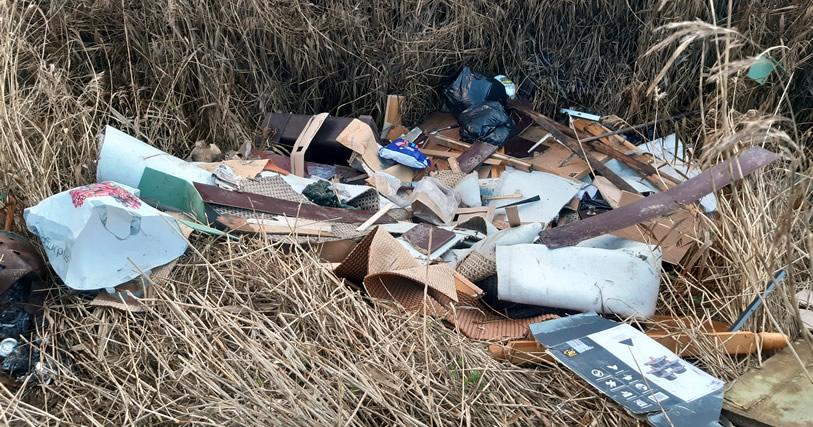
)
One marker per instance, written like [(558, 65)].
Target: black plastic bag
[(486, 122), (470, 88)]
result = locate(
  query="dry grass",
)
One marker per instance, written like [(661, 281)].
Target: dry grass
[(250, 334)]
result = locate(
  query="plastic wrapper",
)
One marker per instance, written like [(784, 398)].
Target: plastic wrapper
[(405, 153), (470, 88), (96, 235), (434, 202), (486, 122), (389, 187)]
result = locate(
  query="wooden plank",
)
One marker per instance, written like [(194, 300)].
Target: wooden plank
[(290, 223), (392, 113), (303, 142), (374, 218), (454, 165), (256, 202), (660, 203), (513, 216), (464, 285), (242, 224), (516, 195)]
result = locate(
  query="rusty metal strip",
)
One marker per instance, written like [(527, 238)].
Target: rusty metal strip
[(215, 195), (660, 203)]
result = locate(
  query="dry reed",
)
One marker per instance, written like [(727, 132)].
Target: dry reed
[(246, 333)]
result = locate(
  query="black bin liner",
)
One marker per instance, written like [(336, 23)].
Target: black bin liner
[(486, 122), (470, 89)]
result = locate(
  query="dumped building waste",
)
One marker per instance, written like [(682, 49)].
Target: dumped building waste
[(499, 221)]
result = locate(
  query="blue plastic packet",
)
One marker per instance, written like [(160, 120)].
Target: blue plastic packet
[(405, 153)]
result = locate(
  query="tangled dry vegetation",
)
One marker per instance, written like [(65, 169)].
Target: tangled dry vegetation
[(252, 333)]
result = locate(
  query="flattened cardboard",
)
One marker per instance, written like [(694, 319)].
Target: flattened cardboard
[(303, 142), (389, 273), (674, 233)]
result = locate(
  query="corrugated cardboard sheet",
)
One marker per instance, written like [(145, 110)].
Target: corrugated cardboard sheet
[(389, 273)]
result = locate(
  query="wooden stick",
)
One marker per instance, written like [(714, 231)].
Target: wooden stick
[(453, 164), (531, 351), (513, 216), (574, 146), (460, 145), (375, 217), (455, 154), (11, 207), (516, 195)]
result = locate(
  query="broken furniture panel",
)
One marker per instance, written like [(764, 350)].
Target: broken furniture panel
[(777, 394), (425, 237), (215, 195)]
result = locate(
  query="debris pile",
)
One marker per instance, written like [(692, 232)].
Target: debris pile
[(500, 221)]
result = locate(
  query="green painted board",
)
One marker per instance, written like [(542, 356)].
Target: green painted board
[(778, 394), (205, 229), (172, 191)]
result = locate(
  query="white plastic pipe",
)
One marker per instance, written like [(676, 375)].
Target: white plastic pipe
[(123, 159), (606, 274)]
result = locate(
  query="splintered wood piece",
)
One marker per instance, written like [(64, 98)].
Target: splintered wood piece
[(372, 220), (573, 145), (513, 216)]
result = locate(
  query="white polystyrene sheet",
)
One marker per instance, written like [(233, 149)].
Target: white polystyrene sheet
[(123, 159), (96, 235), (606, 274), (554, 192)]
